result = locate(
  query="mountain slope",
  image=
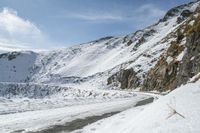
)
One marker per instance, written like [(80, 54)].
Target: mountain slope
[(176, 64), (127, 62), (98, 59)]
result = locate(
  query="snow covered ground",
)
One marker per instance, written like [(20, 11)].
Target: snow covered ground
[(21, 97), (42, 119), (177, 112)]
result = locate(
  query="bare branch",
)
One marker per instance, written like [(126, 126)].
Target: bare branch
[(174, 112)]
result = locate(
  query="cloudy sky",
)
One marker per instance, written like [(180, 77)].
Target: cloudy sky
[(47, 24)]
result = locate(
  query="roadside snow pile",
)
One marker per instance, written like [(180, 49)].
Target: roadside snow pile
[(177, 112)]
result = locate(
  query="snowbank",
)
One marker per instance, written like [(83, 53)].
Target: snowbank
[(177, 112)]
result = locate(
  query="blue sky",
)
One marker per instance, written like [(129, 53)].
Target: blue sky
[(61, 23)]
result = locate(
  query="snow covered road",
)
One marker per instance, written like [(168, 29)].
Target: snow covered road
[(44, 119), (177, 112)]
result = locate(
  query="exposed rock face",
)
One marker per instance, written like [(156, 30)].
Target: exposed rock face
[(190, 65), (169, 72), (167, 76), (127, 79), (10, 56), (163, 76)]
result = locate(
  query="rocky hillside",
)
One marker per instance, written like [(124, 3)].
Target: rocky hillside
[(155, 58), (177, 64), (181, 61)]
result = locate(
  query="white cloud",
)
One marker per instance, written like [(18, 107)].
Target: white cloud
[(10, 22), (18, 32), (147, 12), (95, 16)]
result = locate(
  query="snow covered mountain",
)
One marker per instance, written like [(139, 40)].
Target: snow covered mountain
[(158, 58), (100, 59)]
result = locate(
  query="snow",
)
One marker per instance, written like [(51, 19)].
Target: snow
[(192, 58), (112, 124), (169, 59), (157, 117), (196, 77), (41, 119), (12, 69), (180, 56), (21, 97), (191, 23)]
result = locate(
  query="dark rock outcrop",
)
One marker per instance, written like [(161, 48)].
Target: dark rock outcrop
[(10, 56), (185, 14), (176, 11), (171, 13), (127, 79)]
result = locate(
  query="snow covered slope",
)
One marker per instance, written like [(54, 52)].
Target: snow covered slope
[(177, 112), (15, 66)]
